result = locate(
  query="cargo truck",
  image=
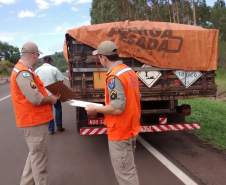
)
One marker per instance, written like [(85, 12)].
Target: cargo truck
[(173, 62)]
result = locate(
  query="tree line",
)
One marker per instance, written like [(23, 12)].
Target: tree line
[(195, 12), (178, 11), (9, 55)]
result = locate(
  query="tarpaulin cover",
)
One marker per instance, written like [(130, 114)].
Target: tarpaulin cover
[(159, 44)]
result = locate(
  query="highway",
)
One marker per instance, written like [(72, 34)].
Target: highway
[(175, 159)]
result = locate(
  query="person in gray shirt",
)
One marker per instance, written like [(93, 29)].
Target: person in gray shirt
[(49, 74)]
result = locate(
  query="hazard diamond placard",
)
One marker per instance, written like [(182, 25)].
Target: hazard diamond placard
[(149, 77), (188, 78)]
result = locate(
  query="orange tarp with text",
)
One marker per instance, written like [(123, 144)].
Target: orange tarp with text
[(159, 44)]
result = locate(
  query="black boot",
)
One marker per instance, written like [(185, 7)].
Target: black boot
[(60, 129)]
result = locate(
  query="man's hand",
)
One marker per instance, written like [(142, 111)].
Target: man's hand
[(91, 110), (54, 98)]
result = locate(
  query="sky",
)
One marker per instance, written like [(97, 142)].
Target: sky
[(44, 22)]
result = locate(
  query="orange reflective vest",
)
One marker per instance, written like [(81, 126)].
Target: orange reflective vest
[(127, 124), (27, 114)]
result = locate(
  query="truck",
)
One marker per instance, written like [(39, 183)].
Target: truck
[(173, 62)]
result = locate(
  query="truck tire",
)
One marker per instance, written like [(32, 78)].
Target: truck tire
[(81, 118), (176, 118)]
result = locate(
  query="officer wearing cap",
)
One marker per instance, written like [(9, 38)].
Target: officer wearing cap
[(122, 112), (33, 111)]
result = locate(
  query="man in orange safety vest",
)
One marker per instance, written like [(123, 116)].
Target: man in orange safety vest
[(122, 112), (33, 111)]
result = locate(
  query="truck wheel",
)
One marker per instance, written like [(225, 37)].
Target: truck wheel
[(176, 118), (81, 118)]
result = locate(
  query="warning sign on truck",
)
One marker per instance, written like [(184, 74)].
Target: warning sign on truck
[(148, 77), (188, 78)]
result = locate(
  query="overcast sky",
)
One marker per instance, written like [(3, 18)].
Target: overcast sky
[(43, 21)]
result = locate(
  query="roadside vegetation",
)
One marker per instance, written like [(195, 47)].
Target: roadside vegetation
[(221, 80), (58, 61), (211, 114), (5, 68)]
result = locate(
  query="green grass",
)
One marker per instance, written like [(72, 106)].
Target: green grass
[(211, 114), (221, 79), (222, 53)]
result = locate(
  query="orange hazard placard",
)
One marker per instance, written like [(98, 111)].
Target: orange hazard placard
[(159, 44)]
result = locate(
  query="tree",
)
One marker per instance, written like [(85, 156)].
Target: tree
[(218, 18), (9, 52), (156, 10), (202, 12), (219, 4), (105, 11), (59, 61), (5, 68)]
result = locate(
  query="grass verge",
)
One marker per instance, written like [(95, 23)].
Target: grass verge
[(221, 79), (211, 114)]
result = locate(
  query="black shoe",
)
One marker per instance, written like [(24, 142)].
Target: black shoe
[(60, 129), (51, 132)]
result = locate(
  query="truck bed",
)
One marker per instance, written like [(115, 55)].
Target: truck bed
[(84, 70)]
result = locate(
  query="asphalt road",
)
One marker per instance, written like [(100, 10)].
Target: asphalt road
[(84, 160)]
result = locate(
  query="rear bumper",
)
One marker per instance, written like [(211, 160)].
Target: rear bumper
[(144, 129)]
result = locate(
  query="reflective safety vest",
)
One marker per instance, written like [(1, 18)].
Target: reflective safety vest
[(127, 124), (27, 114)]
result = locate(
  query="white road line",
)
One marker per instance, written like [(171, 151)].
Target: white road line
[(168, 164), (4, 98)]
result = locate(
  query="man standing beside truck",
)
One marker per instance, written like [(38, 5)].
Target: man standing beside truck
[(122, 112), (49, 74), (32, 107)]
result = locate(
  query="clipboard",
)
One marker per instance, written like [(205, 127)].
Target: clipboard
[(78, 103), (59, 88)]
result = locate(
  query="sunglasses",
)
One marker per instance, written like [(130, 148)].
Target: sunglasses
[(36, 53)]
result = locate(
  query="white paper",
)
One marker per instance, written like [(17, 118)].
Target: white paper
[(78, 103)]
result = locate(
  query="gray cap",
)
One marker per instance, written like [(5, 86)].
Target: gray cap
[(30, 47), (106, 48)]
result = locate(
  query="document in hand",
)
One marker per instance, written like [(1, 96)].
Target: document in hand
[(59, 88), (78, 103)]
